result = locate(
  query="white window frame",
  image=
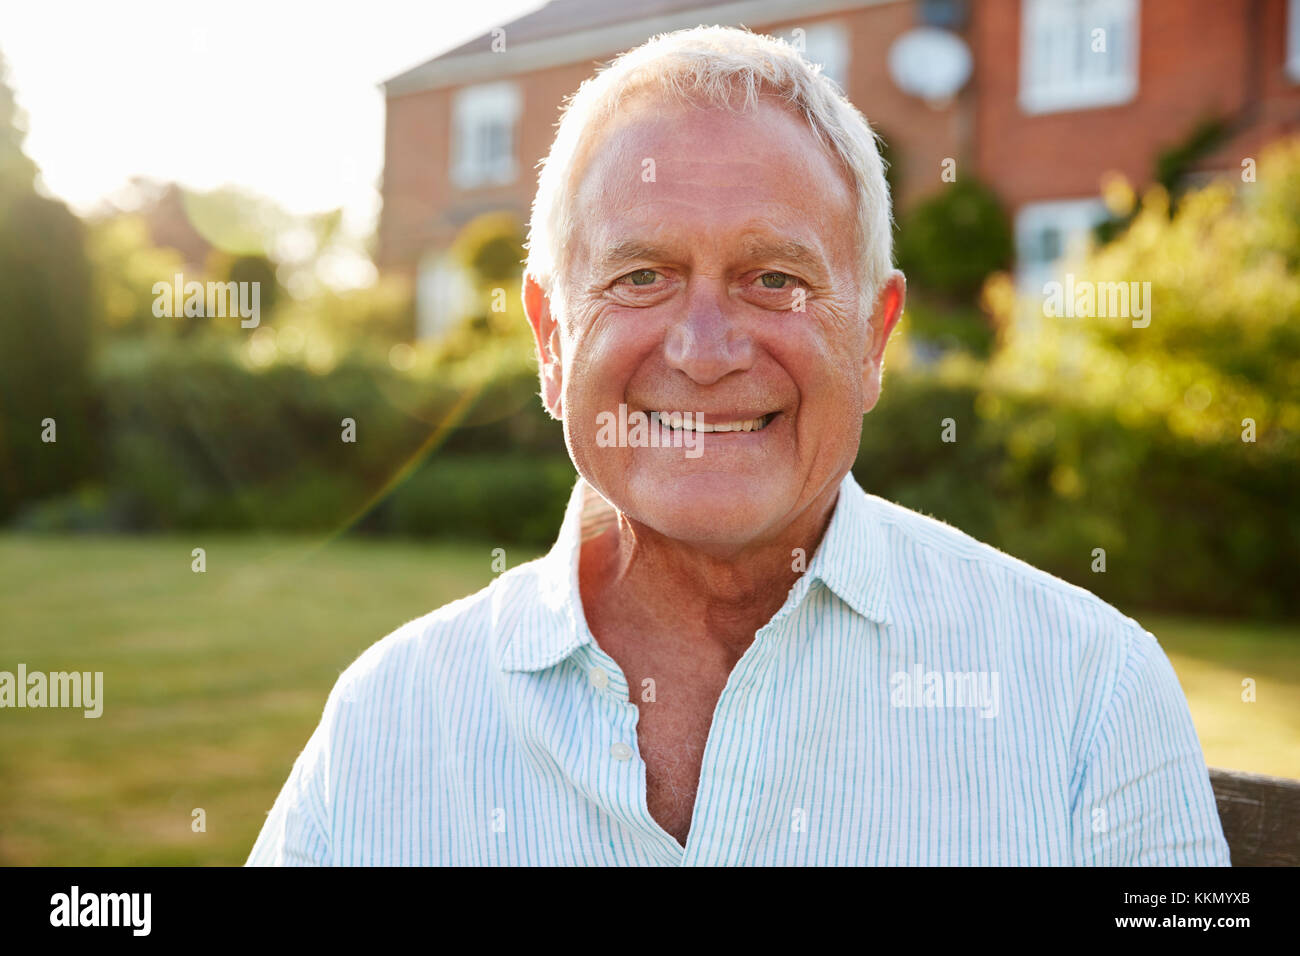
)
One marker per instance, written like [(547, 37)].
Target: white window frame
[(1074, 219), (444, 295), (1293, 40), (478, 113), (1056, 35), (827, 44)]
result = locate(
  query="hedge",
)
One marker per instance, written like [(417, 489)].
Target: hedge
[(197, 440)]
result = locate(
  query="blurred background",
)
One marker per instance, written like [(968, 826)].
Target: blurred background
[(371, 168)]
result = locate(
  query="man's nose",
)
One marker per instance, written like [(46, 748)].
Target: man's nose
[(705, 343)]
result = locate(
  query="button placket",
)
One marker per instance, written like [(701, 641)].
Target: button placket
[(602, 673), (619, 717), (607, 683), (727, 784), (620, 751)]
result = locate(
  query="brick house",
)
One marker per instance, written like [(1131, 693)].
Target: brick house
[(1043, 117)]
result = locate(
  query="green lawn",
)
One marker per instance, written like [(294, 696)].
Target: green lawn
[(1212, 659), (214, 681)]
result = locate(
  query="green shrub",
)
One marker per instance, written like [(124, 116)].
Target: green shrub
[(1185, 526), (952, 328), (949, 244), (45, 336), (510, 499), (193, 438)]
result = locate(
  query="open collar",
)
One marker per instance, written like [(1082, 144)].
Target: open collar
[(540, 615)]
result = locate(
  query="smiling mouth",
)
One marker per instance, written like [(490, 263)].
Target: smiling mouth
[(691, 421)]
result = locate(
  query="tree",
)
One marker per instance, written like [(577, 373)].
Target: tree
[(46, 313), (1220, 282), (1167, 434)]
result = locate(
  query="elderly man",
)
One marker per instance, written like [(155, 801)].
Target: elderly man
[(736, 656)]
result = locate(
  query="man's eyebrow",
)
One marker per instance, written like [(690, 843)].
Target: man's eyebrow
[(754, 247), (785, 250), (630, 250)]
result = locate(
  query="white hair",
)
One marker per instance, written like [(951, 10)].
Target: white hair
[(713, 66)]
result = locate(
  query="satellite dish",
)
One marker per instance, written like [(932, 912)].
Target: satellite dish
[(930, 63)]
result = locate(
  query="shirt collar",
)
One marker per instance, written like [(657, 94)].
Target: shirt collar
[(541, 619), (853, 558), (539, 615)]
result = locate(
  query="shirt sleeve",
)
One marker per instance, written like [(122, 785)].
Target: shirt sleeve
[(295, 833), (1144, 796)]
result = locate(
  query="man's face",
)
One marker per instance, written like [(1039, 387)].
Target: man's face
[(700, 235)]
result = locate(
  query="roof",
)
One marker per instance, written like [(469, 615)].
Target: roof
[(562, 17), (573, 31)]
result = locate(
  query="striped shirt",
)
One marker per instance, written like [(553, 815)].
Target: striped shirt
[(920, 699)]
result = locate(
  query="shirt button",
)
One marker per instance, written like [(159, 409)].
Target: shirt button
[(599, 679), (620, 751)]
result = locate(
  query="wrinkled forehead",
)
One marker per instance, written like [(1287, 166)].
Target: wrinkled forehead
[(651, 129), (660, 159)]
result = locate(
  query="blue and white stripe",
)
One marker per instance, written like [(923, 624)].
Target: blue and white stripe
[(476, 736)]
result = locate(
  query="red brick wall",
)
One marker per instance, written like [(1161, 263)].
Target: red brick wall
[(415, 174), (1195, 57), (921, 137), (423, 209)]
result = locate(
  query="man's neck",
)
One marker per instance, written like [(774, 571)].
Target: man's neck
[(634, 580)]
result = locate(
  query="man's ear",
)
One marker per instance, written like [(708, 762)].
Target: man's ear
[(546, 336), (888, 310)]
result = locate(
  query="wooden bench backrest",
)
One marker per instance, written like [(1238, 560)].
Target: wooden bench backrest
[(1260, 817)]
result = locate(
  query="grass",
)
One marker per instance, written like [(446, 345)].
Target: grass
[(1212, 660), (214, 681)]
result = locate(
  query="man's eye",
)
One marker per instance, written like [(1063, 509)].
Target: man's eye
[(777, 280), (640, 277)]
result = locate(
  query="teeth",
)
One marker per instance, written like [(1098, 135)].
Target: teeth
[(690, 422)]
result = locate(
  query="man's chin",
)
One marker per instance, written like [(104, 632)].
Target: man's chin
[(710, 510)]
